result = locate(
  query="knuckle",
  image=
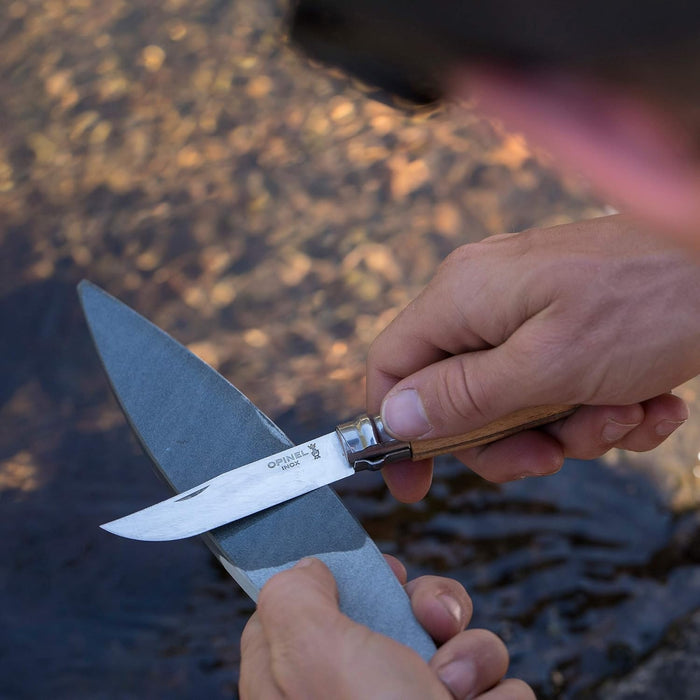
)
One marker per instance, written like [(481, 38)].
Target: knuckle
[(459, 393), (461, 263), (462, 270), (459, 256)]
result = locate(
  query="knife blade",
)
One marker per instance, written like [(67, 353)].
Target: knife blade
[(354, 446)]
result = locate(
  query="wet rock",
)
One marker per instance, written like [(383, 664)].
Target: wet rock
[(671, 671)]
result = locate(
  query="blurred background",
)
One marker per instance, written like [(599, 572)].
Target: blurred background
[(274, 219)]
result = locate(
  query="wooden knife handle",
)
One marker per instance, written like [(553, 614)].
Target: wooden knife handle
[(510, 424)]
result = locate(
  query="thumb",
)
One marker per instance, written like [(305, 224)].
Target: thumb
[(462, 393), (307, 591), (304, 629), (317, 652)]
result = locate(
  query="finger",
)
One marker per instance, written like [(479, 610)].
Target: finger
[(379, 383), (464, 392), (397, 567), (471, 663), (588, 433), (509, 689), (529, 453), (663, 415), (255, 678), (252, 636), (409, 481), (591, 431), (417, 337), (441, 605), (438, 325)]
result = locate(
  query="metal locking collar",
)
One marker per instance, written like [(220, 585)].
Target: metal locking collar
[(368, 446)]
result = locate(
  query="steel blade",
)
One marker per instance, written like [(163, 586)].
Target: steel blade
[(239, 492)]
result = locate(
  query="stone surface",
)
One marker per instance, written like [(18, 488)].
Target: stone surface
[(195, 425), (672, 671)]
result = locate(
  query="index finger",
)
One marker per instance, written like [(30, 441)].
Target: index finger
[(419, 336)]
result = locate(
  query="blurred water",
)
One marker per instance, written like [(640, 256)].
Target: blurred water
[(581, 573)]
